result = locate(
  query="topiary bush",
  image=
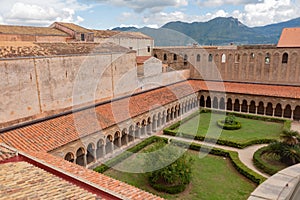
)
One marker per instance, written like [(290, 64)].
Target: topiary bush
[(229, 123)]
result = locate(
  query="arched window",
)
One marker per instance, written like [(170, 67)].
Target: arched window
[(223, 58), (252, 56), (237, 58), (267, 58), (175, 57), (210, 57), (198, 58), (165, 57), (285, 58), (185, 59)]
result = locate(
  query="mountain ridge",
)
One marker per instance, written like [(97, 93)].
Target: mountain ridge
[(217, 31)]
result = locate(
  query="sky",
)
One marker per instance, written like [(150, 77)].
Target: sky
[(107, 14)]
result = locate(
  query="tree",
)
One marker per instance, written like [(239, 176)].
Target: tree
[(288, 149), (177, 173)]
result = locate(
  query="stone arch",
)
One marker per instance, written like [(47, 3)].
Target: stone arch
[(285, 58), (210, 57), (117, 139), (90, 153), (198, 58), (223, 58), (144, 127), (124, 137), (229, 104), (175, 57), (158, 120), (261, 108), (287, 111), (148, 126), (100, 152), (267, 58), (80, 157), (168, 115), (165, 57), (215, 103), (222, 104), (297, 113), (137, 133), (244, 106), (269, 109), (236, 106), (202, 101), (70, 157), (208, 102), (109, 147), (131, 134), (278, 110), (252, 107)]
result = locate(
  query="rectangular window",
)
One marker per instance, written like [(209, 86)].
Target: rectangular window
[(149, 50), (82, 37)]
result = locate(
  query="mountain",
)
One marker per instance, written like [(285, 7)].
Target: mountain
[(218, 31), (130, 28)]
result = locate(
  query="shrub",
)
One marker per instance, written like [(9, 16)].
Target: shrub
[(173, 177)]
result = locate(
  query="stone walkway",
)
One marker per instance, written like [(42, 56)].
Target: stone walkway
[(245, 155)]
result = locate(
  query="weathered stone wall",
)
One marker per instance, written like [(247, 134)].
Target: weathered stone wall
[(137, 44), (35, 87), (31, 38), (254, 64)]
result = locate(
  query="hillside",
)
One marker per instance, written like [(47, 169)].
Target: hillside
[(218, 31)]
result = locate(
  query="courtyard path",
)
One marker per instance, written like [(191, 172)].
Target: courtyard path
[(245, 155)]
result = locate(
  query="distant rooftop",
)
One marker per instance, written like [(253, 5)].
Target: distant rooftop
[(74, 27), (30, 30), (290, 37), (119, 34)]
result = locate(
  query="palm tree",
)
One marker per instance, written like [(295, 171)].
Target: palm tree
[(290, 137)]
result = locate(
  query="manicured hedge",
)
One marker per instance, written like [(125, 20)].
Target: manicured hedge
[(222, 125), (168, 189), (170, 130), (239, 166), (260, 164), (104, 167)]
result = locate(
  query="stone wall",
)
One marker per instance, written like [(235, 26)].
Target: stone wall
[(41, 86), (254, 64)]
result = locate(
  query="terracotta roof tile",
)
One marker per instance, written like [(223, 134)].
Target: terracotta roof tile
[(104, 182), (6, 153), (51, 134), (21, 180), (74, 27), (30, 30), (142, 59), (290, 37)]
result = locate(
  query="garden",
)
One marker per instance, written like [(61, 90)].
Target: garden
[(217, 175)]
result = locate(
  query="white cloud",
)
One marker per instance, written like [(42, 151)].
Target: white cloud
[(37, 12), (217, 3), (142, 5)]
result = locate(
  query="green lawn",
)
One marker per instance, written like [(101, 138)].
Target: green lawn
[(205, 124), (213, 178)]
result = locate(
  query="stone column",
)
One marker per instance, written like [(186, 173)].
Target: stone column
[(126, 139), (103, 151), (273, 114), (120, 141), (84, 160), (154, 125), (256, 109)]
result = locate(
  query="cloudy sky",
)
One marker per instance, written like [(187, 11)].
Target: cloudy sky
[(105, 14)]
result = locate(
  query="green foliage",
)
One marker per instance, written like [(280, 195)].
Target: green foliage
[(240, 167), (102, 168), (174, 175), (222, 140), (261, 164)]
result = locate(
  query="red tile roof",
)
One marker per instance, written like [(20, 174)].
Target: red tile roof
[(290, 37), (6, 153), (51, 134), (142, 59), (110, 185)]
